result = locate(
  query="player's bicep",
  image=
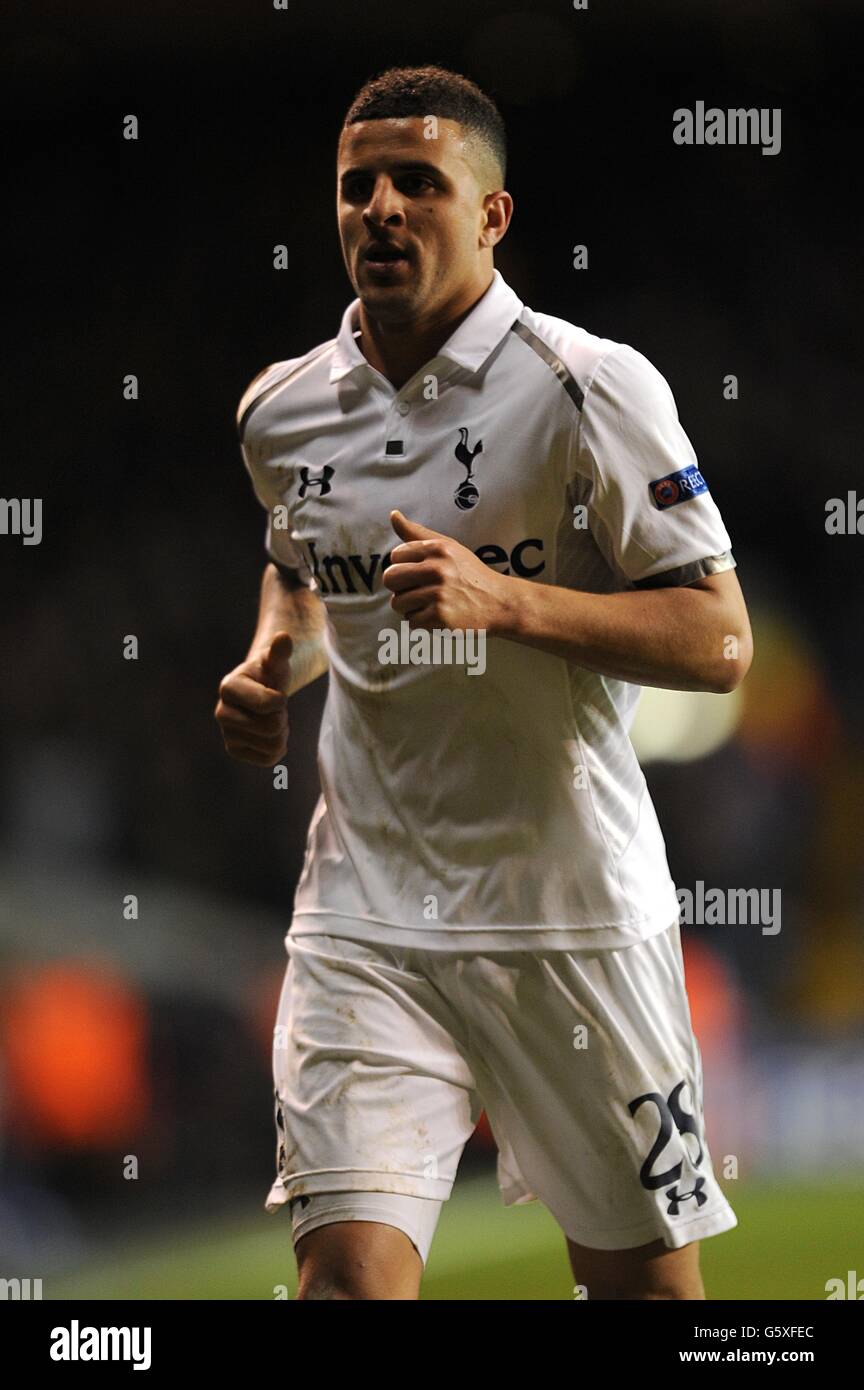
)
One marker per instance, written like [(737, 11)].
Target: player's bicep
[(725, 592), (651, 511)]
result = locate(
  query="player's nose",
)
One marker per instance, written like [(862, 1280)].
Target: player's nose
[(384, 203)]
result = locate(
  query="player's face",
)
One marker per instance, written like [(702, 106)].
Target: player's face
[(411, 216)]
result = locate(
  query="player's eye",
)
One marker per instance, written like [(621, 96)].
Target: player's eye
[(357, 188), (414, 183), (361, 187)]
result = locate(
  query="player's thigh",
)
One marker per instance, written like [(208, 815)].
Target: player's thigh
[(373, 1090), (357, 1260), (356, 1244), (374, 1103), (651, 1271), (591, 1079)]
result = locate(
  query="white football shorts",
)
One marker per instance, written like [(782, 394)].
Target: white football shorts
[(584, 1061)]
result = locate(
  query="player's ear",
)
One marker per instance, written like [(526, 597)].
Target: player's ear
[(498, 209)]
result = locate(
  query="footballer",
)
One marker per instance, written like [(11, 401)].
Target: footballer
[(485, 919)]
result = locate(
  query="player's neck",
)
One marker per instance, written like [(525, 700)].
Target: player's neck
[(398, 350)]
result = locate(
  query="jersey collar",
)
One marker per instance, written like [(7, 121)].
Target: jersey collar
[(469, 346)]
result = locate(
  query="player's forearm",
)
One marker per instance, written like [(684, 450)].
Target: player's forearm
[(676, 638), (286, 607)]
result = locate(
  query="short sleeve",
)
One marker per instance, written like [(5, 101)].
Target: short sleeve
[(650, 510), (282, 550), (268, 479)]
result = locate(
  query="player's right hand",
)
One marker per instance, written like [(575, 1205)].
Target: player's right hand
[(252, 711)]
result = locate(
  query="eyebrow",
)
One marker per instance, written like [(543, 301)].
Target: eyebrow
[(401, 166)]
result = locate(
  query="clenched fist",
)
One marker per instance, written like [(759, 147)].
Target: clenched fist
[(253, 706), (438, 582)]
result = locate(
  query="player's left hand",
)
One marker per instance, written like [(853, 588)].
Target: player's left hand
[(438, 583)]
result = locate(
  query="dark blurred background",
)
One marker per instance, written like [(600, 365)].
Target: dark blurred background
[(149, 1036)]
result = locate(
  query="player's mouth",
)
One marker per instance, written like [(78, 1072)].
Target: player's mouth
[(385, 259)]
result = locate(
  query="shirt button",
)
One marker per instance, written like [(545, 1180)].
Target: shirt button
[(403, 407)]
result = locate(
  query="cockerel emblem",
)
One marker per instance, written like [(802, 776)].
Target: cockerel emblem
[(466, 495)]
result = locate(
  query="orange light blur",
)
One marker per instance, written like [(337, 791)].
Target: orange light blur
[(73, 1042)]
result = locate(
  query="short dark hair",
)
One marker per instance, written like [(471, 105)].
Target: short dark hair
[(434, 91)]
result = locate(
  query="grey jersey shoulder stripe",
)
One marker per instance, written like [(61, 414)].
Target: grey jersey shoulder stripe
[(686, 574), (275, 385), (568, 381)]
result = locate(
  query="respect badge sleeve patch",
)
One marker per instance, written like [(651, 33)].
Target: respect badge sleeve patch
[(677, 487)]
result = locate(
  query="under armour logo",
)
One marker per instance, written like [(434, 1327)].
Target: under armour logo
[(466, 495), (675, 1196), (322, 480)]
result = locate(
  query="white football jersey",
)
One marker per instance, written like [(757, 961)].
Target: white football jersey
[(502, 810)]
